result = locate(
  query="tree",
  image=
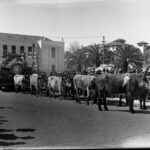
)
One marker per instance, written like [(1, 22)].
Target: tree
[(128, 54), (108, 56), (75, 55), (85, 56), (74, 46), (99, 55), (95, 54)]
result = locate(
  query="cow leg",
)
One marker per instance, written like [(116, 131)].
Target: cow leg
[(127, 100), (49, 88), (16, 88), (73, 93), (99, 101), (64, 94), (94, 99), (140, 103), (37, 91), (31, 89), (53, 92), (104, 100), (94, 96), (144, 103), (88, 95), (131, 105), (77, 96), (120, 98), (60, 94), (22, 89), (79, 100)]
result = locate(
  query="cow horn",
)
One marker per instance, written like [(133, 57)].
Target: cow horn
[(146, 70)]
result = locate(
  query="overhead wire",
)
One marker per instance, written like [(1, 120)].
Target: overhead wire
[(77, 37)]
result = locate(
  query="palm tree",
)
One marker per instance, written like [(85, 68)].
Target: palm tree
[(126, 55), (99, 55), (95, 54)]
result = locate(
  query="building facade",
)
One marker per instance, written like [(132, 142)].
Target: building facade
[(119, 43), (39, 52)]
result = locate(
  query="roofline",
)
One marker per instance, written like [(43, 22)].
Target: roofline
[(32, 36)]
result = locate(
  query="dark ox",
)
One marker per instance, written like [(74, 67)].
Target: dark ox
[(26, 83), (137, 87), (68, 87), (106, 85), (133, 85), (83, 82)]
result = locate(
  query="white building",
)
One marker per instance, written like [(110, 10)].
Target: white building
[(39, 51)]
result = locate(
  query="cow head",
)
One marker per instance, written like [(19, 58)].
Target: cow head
[(66, 80), (146, 80), (126, 79)]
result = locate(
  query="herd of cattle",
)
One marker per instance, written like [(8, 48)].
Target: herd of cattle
[(95, 87)]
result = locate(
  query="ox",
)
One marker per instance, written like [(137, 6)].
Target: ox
[(133, 85), (67, 83), (106, 85), (54, 85), (18, 82), (34, 83), (26, 82), (82, 82), (137, 87)]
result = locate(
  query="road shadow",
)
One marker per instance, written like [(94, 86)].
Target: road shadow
[(2, 121), (5, 130), (6, 107), (2, 117), (135, 111), (25, 130), (13, 137), (2, 143)]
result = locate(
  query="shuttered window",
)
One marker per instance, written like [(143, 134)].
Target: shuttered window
[(4, 50), (21, 49), (53, 68), (29, 51), (53, 52), (13, 49)]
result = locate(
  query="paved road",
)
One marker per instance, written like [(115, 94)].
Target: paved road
[(36, 122)]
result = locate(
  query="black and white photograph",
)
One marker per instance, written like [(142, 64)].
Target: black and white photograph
[(74, 74)]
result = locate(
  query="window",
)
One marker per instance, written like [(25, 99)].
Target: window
[(53, 68), (4, 49), (21, 49), (29, 50), (53, 52), (13, 49)]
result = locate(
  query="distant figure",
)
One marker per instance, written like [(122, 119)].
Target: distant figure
[(104, 70)]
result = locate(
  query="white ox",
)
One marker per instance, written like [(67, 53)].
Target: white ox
[(82, 82), (18, 82), (54, 85), (34, 83)]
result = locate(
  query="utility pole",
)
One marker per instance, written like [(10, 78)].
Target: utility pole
[(103, 47)]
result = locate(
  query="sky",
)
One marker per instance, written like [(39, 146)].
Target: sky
[(85, 21)]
